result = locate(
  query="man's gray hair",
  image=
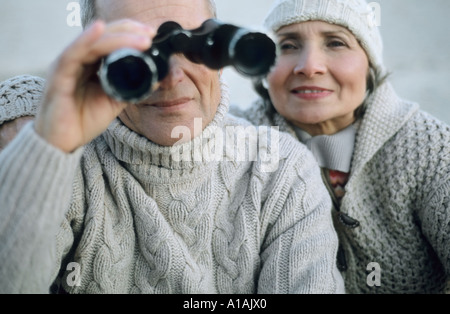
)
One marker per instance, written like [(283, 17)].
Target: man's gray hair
[(89, 11)]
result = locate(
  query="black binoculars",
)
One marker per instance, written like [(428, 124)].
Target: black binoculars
[(129, 75)]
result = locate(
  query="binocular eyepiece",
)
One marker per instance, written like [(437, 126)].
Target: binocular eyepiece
[(130, 75)]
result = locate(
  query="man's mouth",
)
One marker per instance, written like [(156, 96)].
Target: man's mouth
[(168, 103)]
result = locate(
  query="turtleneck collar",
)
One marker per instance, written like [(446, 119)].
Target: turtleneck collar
[(152, 162), (332, 152)]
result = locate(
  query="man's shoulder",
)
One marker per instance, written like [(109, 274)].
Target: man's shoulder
[(276, 149), (20, 96)]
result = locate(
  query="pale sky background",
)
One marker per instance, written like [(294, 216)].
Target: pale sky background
[(416, 37)]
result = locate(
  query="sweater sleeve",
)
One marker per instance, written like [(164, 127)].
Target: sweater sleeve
[(300, 247), (36, 188), (19, 97), (435, 219), (434, 210)]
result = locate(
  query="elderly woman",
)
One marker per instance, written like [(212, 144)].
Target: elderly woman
[(386, 163)]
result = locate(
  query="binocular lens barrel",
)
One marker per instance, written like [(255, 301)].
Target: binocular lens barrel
[(129, 75), (251, 53)]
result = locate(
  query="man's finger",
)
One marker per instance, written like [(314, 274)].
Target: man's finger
[(70, 61), (111, 42)]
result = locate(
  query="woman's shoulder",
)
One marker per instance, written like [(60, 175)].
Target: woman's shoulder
[(20, 96), (423, 143), (21, 86), (427, 127), (400, 120), (427, 119), (256, 113)]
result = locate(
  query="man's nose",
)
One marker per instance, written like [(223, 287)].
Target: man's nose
[(311, 62), (174, 75)]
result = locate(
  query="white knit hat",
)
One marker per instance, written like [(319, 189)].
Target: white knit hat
[(356, 15)]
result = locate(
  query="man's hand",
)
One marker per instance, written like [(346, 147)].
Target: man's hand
[(10, 129), (75, 109)]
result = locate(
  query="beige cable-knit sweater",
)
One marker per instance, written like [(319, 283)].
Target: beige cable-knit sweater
[(398, 190), (132, 219)]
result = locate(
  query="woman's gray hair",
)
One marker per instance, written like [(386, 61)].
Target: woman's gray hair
[(89, 11), (375, 79)]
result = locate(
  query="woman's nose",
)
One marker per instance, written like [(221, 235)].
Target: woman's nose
[(311, 62)]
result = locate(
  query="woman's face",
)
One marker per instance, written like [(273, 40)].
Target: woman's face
[(320, 77)]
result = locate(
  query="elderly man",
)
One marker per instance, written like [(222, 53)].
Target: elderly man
[(93, 199)]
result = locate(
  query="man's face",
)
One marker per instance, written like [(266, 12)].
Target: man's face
[(189, 91)]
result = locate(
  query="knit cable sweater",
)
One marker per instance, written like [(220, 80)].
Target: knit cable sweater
[(124, 215), (399, 192)]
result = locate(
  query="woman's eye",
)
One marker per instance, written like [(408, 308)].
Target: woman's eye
[(336, 43)]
